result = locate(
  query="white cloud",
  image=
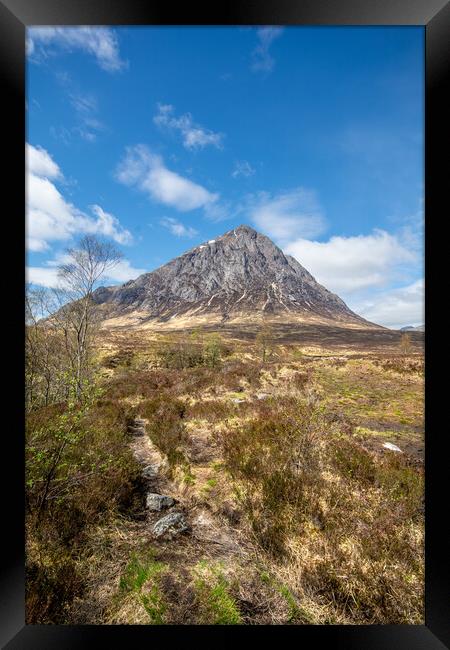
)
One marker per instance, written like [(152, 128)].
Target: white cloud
[(101, 42), (194, 135), (349, 264), (108, 225), (177, 228), (288, 215), (262, 61), (242, 168), (50, 217), (394, 308), (147, 171), (43, 277), (123, 271), (40, 163), (47, 276)]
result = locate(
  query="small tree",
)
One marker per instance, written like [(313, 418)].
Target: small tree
[(60, 324), (405, 343), (79, 276), (45, 358), (264, 341), (213, 350)]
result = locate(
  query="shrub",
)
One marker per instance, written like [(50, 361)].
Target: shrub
[(50, 586), (123, 358), (179, 354), (166, 426), (184, 351), (213, 597), (211, 410), (135, 383), (401, 365), (78, 466), (300, 379), (235, 371), (353, 461), (275, 460)]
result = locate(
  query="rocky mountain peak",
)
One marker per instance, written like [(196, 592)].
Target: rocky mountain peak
[(239, 272)]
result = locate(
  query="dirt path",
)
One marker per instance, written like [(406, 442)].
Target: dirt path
[(203, 524), (208, 536)]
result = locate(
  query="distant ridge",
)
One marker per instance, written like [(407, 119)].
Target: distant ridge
[(410, 328)]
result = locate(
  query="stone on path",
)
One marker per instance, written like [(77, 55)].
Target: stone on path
[(136, 431), (150, 471), (158, 501), (170, 525)]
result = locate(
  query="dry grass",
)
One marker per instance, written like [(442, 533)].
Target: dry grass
[(298, 514)]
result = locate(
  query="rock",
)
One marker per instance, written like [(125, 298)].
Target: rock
[(236, 400), (170, 525), (150, 472), (136, 431), (389, 445), (317, 522), (158, 501)]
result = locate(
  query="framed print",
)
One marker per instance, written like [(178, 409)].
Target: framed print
[(232, 337)]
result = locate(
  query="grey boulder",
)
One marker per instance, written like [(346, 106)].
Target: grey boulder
[(136, 431), (170, 525), (150, 471), (158, 501)]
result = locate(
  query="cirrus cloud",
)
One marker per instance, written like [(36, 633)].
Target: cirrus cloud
[(194, 135), (242, 168), (100, 42), (262, 60), (177, 228)]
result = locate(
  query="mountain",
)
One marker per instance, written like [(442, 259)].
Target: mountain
[(241, 274), (410, 328)]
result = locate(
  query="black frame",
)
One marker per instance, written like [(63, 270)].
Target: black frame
[(434, 15)]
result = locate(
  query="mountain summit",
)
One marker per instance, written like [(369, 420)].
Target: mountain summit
[(241, 273)]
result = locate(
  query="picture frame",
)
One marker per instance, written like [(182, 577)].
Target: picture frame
[(434, 16)]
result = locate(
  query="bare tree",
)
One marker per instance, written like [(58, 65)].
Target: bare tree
[(79, 275), (61, 323), (405, 344)]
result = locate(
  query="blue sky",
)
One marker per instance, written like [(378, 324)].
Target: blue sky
[(161, 138)]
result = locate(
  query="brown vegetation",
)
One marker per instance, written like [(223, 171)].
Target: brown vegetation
[(298, 514)]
